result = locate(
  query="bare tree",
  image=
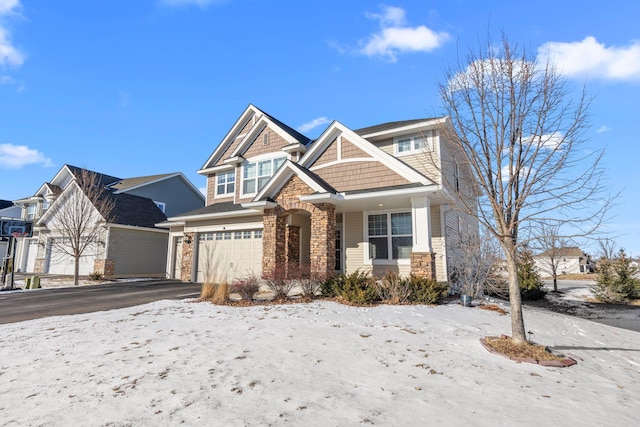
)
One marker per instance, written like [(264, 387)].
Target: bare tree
[(520, 134), (81, 214), (552, 247), (475, 264), (607, 248)]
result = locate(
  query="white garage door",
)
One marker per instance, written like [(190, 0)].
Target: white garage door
[(224, 256), (59, 262), (32, 253), (177, 259)]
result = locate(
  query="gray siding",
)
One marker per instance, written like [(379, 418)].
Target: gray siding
[(138, 252), (174, 192)]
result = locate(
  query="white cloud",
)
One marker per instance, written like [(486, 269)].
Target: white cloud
[(17, 156), (8, 6), (9, 55), (396, 37), (185, 3), (313, 124), (592, 59), (6, 80), (603, 129)]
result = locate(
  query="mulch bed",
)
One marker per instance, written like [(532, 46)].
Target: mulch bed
[(525, 353)]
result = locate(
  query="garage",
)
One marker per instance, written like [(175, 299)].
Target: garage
[(226, 255), (32, 253), (58, 261)]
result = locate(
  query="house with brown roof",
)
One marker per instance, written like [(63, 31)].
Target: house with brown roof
[(130, 244), (377, 199), (566, 260)]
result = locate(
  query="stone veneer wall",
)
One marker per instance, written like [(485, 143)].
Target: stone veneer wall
[(293, 246), (323, 224), (423, 264), (38, 267), (186, 264), (106, 267)]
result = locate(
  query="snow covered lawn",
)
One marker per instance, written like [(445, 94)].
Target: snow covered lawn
[(316, 364)]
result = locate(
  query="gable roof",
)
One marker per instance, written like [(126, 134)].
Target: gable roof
[(571, 251), (389, 125), (135, 211), (102, 178), (336, 128), (285, 173), (5, 204), (131, 183), (289, 134)]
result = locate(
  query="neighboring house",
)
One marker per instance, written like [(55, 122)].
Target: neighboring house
[(569, 260), (130, 244), (7, 211), (369, 200)]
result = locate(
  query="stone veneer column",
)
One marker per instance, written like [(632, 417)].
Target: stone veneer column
[(423, 264), (38, 267), (273, 240), (106, 267), (293, 246), (186, 265), (323, 238)]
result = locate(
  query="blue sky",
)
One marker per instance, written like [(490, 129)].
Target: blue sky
[(133, 88)]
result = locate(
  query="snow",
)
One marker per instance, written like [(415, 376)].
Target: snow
[(313, 364)]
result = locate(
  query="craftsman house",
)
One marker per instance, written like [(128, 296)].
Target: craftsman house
[(373, 199), (130, 243)]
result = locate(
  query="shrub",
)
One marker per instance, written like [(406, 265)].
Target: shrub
[(616, 282), (279, 283), (531, 285), (393, 288), (246, 286), (355, 288), (426, 291), (309, 281), (95, 276)]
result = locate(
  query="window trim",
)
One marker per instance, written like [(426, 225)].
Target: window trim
[(429, 137), (256, 162), (390, 260), (226, 183)]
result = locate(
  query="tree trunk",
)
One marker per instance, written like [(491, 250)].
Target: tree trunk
[(515, 301), (555, 282), (76, 271)]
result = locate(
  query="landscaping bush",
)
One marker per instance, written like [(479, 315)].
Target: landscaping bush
[(355, 288), (393, 288), (207, 290), (95, 276), (531, 285), (310, 282), (221, 293), (246, 286), (279, 283), (426, 291), (616, 282)]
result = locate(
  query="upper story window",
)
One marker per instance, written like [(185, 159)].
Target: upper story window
[(414, 144), (226, 183), (390, 235), (31, 211), (256, 174)]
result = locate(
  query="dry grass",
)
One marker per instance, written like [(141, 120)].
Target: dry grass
[(492, 307), (506, 346), (207, 291), (587, 276)]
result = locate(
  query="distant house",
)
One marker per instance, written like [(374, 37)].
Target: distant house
[(130, 243), (375, 199), (8, 210), (568, 260)]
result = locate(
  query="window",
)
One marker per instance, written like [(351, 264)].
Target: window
[(160, 205), (237, 235), (226, 183), (415, 144), (227, 235), (246, 235), (257, 234), (31, 211), (390, 235), (256, 174)]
